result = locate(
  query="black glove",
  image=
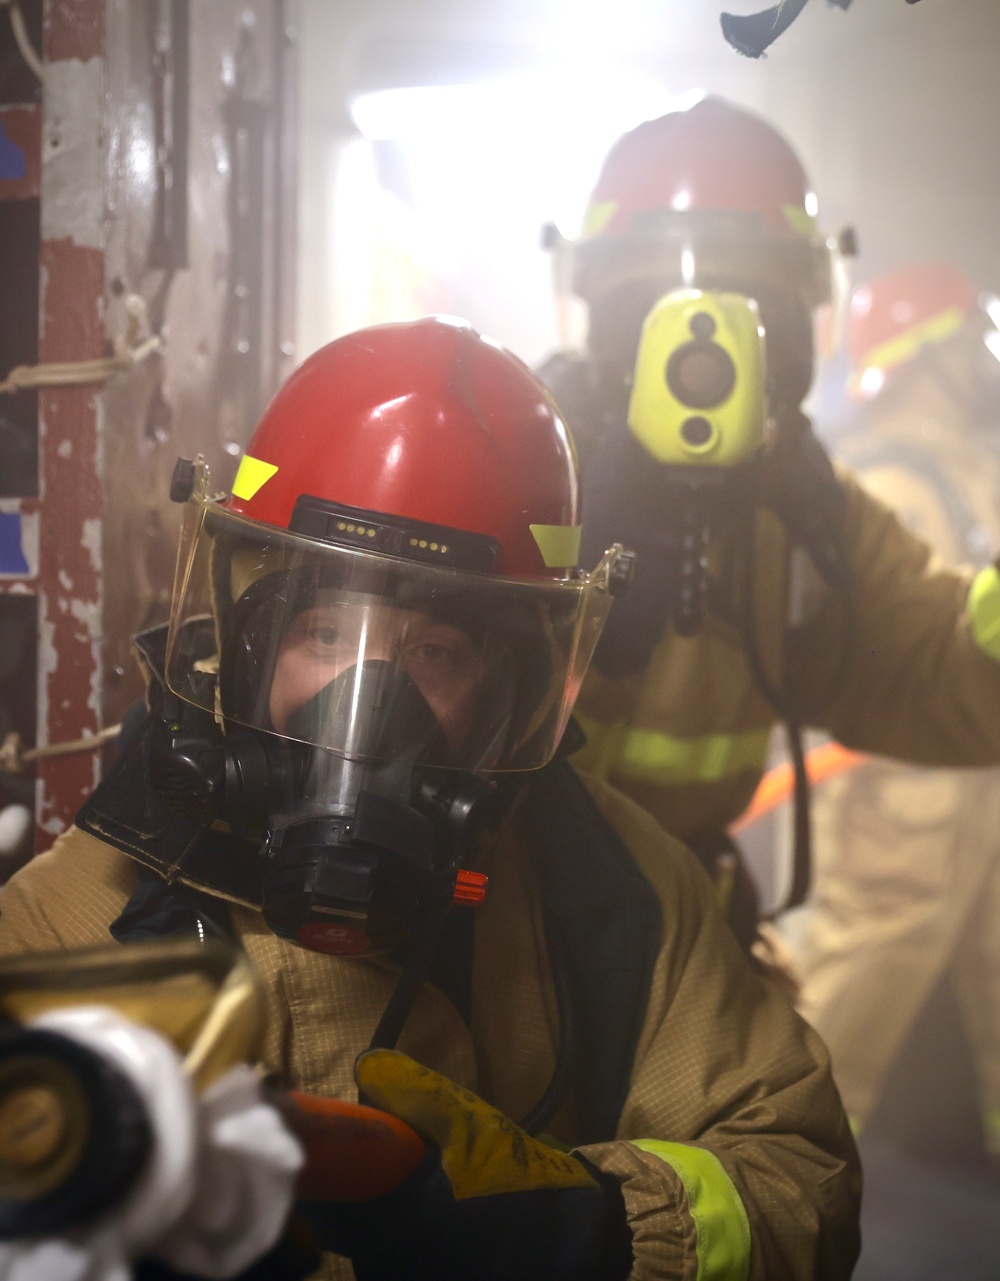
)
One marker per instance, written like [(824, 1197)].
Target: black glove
[(294, 1257)]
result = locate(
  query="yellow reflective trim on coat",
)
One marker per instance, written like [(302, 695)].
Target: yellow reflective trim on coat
[(984, 611), (252, 474), (722, 1229), (663, 758), (655, 757)]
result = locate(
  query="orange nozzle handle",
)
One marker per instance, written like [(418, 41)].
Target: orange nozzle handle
[(353, 1153)]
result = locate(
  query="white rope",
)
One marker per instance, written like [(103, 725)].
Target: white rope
[(13, 760), (22, 39), (128, 351)]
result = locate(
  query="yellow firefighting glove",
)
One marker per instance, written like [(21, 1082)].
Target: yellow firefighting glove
[(488, 1203)]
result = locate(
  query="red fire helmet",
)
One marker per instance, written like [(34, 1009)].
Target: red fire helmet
[(426, 422), (896, 314), (712, 196)]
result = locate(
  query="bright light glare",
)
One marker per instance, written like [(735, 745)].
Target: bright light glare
[(991, 305), (597, 29), (486, 165), (872, 381), (992, 341), (141, 161), (531, 138), (354, 202)]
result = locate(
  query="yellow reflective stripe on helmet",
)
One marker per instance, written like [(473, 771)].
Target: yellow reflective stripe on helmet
[(801, 221), (905, 345), (722, 1229), (251, 476), (984, 611), (559, 544), (598, 215)]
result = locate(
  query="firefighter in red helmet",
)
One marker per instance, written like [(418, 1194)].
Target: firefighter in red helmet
[(711, 197), (816, 607), (902, 930), (899, 315), (355, 722)]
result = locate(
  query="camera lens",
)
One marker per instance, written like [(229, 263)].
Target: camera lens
[(696, 432), (700, 374)]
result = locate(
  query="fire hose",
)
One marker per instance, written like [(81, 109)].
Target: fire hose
[(129, 1114)]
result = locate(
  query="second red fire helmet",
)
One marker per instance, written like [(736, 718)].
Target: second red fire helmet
[(712, 197)]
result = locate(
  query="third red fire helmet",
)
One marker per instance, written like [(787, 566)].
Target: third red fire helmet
[(894, 315)]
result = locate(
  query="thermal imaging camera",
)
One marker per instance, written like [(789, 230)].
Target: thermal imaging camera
[(698, 393)]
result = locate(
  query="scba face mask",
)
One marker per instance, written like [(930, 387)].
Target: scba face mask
[(348, 707)]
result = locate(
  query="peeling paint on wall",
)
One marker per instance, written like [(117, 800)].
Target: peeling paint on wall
[(106, 164), (90, 541), (71, 327), (73, 29), (72, 159), (47, 663)]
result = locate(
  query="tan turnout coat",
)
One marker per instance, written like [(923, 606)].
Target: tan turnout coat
[(723, 1064)]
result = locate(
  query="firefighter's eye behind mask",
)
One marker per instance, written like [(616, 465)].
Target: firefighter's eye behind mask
[(376, 681), (374, 658)]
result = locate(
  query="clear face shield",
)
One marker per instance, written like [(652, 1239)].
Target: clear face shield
[(374, 659), (344, 711)]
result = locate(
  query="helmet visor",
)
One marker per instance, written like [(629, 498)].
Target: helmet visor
[(374, 657), (711, 250)]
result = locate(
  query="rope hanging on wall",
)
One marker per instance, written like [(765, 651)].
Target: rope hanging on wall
[(13, 759), (128, 350)]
